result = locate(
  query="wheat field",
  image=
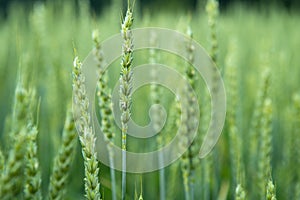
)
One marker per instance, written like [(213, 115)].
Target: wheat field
[(44, 155)]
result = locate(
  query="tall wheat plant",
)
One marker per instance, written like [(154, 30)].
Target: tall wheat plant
[(126, 87)]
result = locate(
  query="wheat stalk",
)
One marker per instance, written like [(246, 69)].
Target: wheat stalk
[(126, 87), (232, 95), (212, 9), (235, 137), (157, 116), (263, 92), (12, 177), (189, 159), (86, 134), (105, 105), (264, 167), (256, 129), (63, 161)]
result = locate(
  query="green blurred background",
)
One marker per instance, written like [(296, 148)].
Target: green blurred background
[(97, 6)]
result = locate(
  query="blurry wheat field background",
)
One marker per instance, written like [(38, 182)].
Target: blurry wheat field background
[(37, 45)]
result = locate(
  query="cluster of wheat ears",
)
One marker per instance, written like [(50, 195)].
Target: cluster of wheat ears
[(249, 176)]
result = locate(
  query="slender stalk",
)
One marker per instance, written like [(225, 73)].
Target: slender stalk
[(189, 159), (172, 126), (254, 133), (263, 93), (141, 193), (157, 122), (212, 9), (105, 105), (265, 148), (126, 87), (235, 141), (135, 192)]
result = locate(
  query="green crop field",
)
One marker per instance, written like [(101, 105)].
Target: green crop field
[(47, 149)]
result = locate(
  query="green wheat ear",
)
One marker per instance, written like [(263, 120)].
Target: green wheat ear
[(257, 131), (264, 156), (235, 135), (212, 9), (32, 190), (210, 179), (271, 191), (11, 179), (126, 87), (86, 134), (263, 93), (21, 109), (12, 176), (105, 106), (240, 193), (63, 161), (189, 159)]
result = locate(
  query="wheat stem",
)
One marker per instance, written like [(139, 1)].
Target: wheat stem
[(105, 106), (212, 9), (265, 149), (157, 116), (257, 115), (126, 87), (189, 159), (86, 134)]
